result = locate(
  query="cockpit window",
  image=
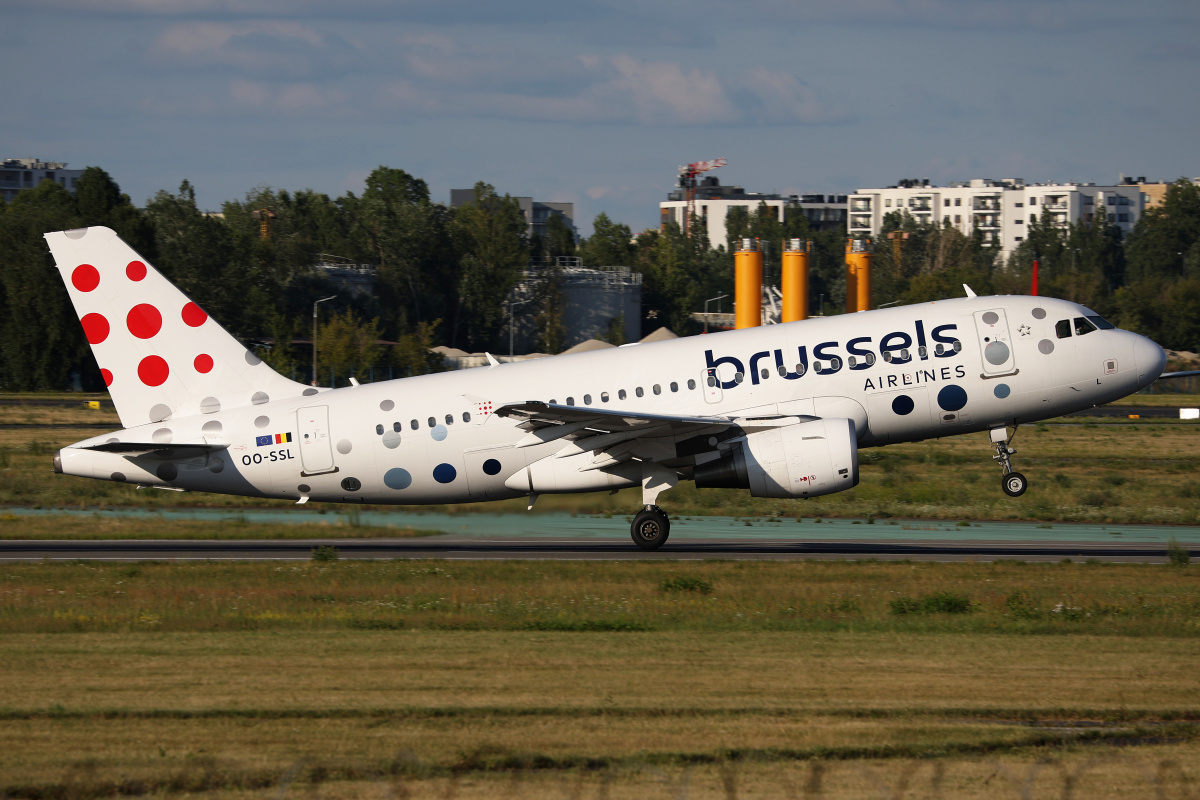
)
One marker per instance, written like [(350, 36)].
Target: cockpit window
[(1063, 329), (1101, 322), (1082, 326)]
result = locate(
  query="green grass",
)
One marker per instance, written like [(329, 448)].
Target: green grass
[(902, 598)]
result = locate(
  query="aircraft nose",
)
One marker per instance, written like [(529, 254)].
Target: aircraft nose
[(1150, 360)]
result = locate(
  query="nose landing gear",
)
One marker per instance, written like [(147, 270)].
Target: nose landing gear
[(1013, 483), (650, 528)]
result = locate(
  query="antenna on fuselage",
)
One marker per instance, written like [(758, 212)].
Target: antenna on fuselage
[(970, 292)]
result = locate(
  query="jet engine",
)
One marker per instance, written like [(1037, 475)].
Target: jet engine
[(802, 460)]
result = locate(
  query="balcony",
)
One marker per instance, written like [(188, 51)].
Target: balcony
[(987, 221), (860, 205), (860, 221), (986, 204)]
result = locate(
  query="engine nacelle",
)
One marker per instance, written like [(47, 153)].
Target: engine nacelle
[(803, 460)]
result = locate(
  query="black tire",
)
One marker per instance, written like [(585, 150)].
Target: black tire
[(650, 529), (1014, 484)]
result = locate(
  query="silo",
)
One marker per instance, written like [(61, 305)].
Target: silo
[(748, 276), (858, 275), (795, 280)]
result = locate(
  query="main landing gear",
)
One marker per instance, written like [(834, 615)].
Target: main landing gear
[(650, 528), (1013, 483)]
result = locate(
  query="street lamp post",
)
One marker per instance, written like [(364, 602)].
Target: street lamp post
[(512, 320), (706, 302), (322, 300)]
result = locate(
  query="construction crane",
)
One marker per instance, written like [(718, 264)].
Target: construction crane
[(264, 217), (687, 181)]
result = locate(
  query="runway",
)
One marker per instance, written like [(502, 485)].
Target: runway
[(581, 548)]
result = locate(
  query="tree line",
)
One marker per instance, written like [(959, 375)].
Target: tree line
[(444, 274)]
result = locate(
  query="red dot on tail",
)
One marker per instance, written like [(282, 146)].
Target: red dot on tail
[(85, 277), (95, 328), (107, 377), (153, 371), (203, 362), (136, 270), (144, 321), (194, 315)]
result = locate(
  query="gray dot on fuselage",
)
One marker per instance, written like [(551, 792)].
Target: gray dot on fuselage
[(117, 476), (75, 233), (162, 436), (1039, 313), (167, 471), (262, 422), (215, 465), (439, 432), (386, 405), (159, 412), (260, 398), (211, 428), (391, 440), (344, 446), (210, 405), (1046, 347), (310, 391), (252, 359)]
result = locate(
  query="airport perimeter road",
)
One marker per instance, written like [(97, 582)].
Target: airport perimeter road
[(581, 548)]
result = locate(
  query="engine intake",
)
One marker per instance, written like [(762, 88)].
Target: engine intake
[(804, 460)]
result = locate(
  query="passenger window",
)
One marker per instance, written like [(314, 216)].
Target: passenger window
[(621, 395), (922, 352), (712, 380), (432, 421), (1063, 329), (657, 389), (738, 377), (570, 401), (852, 361), (396, 427), (639, 392), (799, 369), (379, 430), (466, 416), (604, 397), (587, 399), (674, 386), (1082, 326), (449, 419), (416, 426), (766, 374), (691, 384)]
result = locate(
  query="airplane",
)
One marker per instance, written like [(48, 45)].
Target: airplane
[(780, 410)]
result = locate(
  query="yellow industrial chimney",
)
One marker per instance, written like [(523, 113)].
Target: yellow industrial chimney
[(795, 280), (858, 275), (748, 276)]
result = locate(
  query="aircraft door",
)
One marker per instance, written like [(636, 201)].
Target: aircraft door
[(316, 447), (711, 384), (995, 343)]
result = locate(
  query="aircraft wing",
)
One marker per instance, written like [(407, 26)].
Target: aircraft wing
[(598, 427), (1186, 374)]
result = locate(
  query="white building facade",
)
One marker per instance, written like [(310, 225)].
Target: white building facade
[(1001, 209), (19, 174)]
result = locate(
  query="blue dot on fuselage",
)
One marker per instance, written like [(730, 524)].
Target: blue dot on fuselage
[(952, 398), (491, 466), (902, 404), (444, 473), (1002, 390), (397, 478)]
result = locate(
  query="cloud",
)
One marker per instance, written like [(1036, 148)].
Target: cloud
[(289, 98), (262, 48), (591, 88)]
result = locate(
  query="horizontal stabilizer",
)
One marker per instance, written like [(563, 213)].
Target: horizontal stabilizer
[(182, 450)]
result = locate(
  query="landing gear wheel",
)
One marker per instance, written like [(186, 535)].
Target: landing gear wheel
[(1014, 484), (650, 528)]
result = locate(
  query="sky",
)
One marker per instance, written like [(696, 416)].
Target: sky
[(599, 102)]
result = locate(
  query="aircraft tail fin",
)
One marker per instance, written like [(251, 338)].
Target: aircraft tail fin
[(161, 355)]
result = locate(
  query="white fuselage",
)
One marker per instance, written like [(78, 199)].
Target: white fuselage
[(972, 364)]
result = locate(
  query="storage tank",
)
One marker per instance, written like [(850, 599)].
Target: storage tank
[(794, 280), (748, 277)]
